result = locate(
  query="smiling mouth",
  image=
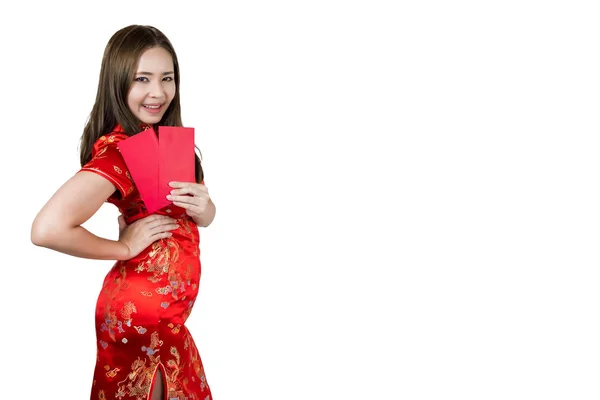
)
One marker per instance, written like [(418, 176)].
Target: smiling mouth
[(152, 108)]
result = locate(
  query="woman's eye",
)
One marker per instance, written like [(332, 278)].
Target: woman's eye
[(141, 79), (168, 78)]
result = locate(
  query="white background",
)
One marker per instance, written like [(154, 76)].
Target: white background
[(407, 195)]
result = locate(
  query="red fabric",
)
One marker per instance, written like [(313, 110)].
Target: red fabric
[(144, 302)]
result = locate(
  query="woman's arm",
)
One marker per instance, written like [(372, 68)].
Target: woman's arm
[(58, 224)]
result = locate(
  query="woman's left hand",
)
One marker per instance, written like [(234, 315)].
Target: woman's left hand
[(191, 196)]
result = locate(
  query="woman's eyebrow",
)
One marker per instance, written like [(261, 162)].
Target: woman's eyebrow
[(150, 73)]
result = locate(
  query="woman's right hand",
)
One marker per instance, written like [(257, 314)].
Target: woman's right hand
[(145, 231)]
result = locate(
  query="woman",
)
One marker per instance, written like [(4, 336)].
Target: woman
[(144, 349)]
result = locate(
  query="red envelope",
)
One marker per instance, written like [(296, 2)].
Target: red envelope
[(154, 162), (140, 153), (175, 157), (175, 161)]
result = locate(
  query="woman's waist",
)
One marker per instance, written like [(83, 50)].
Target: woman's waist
[(169, 251), (187, 229)]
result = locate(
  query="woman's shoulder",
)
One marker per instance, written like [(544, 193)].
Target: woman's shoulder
[(104, 142)]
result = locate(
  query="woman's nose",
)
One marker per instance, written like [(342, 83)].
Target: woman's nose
[(156, 90)]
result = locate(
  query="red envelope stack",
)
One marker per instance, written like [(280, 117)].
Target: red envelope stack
[(154, 161)]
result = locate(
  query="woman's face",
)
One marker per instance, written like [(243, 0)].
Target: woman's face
[(153, 86)]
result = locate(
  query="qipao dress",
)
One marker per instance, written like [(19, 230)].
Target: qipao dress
[(144, 302)]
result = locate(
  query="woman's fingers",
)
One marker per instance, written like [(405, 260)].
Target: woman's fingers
[(183, 199), (155, 220), (187, 190), (160, 235), (162, 227), (156, 226), (164, 235), (194, 189)]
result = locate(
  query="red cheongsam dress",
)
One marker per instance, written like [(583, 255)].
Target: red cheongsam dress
[(144, 302)]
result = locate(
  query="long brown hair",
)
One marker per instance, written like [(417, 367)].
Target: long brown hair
[(117, 72)]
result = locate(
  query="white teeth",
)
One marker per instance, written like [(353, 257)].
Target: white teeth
[(152, 106)]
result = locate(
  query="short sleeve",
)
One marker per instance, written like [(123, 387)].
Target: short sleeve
[(108, 162)]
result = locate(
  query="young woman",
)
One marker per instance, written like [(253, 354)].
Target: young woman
[(144, 349)]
